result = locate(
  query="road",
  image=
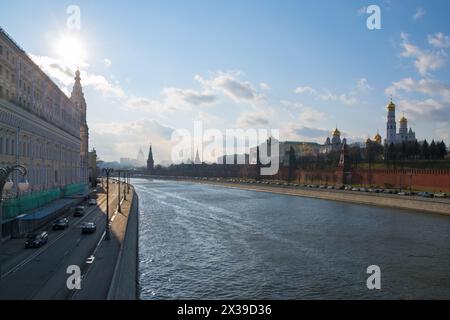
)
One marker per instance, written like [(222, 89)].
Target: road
[(41, 273)]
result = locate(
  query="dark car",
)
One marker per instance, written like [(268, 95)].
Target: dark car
[(35, 240), (61, 224), (92, 202), (88, 227), (79, 211)]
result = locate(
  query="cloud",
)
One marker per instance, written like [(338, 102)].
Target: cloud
[(311, 132), (434, 106), (439, 40), (306, 89), (107, 62), (429, 109), (177, 96), (265, 86), (424, 60), (420, 12), (100, 83), (65, 74), (144, 104), (55, 69), (229, 84), (252, 120), (114, 140), (351, 98), (429, 87)]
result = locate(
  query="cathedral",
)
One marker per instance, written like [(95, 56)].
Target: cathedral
[(404, 134), (335, 143)]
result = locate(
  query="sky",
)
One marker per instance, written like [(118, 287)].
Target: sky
[(303, 67)]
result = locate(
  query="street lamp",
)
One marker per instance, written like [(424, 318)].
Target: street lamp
[(7, 184), (119, 209), (107, 171), (125, 185)]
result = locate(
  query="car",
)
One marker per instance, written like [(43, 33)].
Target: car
[(60, 224), (440, 195), (355, 189), (88, 227), (92, 202), (424, 194), (36, 240), (330, 187), (78, 211)]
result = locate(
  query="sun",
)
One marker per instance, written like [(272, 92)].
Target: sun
[(71, 50)]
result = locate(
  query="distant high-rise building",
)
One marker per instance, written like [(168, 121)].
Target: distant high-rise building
[(150, 162), (140, 159)]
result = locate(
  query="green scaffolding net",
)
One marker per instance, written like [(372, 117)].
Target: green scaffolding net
[(14, 207)]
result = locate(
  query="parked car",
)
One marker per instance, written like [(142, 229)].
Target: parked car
[(88, 227), (36, 240), (424, 194), (440, 195), (92, 202), (78, 211), (60, 224)]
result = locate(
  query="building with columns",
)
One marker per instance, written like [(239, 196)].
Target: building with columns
[(40, 127)]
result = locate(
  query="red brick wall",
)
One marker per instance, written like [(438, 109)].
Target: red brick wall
[(433, 180)]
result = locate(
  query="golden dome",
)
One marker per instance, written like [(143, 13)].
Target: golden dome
[(403, 119), (336, 132), (377, 137), (391, 106)]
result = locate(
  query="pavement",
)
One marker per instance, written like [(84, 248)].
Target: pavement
[(41, 273)]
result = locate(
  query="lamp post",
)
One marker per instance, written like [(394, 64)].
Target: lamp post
[(7, 185), (125, 173), (119, 208), (129, 180), (107, 171)]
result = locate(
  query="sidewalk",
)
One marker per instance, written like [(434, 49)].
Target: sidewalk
[(98, 274)]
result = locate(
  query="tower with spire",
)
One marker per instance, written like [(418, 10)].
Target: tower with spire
[(404, 134), (77, 98), (150, 162), (391, 124), (197, 158)]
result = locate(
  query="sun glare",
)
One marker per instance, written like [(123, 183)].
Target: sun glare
[(71, 50)]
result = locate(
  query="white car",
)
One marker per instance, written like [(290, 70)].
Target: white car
[(92, 202)]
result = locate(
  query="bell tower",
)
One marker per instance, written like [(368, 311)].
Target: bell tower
[(391, 125)]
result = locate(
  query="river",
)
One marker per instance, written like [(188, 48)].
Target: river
[(208, 242)]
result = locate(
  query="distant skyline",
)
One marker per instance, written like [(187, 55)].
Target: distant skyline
[(303, 67)]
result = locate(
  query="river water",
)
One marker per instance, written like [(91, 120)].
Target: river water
[(207, 242)]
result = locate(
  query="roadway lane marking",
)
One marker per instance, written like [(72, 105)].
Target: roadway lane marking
[(49, 245)]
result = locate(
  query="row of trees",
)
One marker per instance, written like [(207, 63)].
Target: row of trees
[(373, 152), (416, 151)]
